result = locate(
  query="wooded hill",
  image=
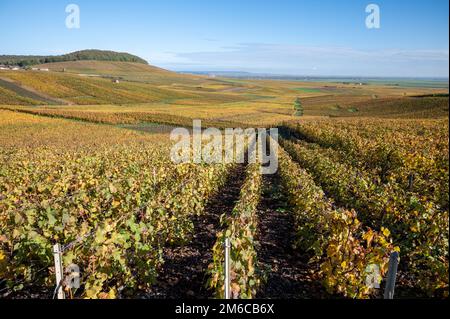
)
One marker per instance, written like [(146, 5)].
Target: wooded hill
[(98, 55)]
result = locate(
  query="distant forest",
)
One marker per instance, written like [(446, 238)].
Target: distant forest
[(98, 55)]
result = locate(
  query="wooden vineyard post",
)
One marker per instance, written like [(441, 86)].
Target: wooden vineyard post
[(391, 276), (227, 268), (57, 255)]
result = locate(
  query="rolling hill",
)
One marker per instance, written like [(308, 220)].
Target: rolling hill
[(105, 77), (94, 82), (129, 71), (83, 90)]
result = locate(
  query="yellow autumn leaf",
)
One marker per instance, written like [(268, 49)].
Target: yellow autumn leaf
[(115, 203), (112, 189), (235, 288)]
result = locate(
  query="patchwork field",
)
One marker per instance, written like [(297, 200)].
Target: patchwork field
[(247, 102)]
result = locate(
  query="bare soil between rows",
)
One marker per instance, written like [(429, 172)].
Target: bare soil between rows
[(184, 273), (289, 274)]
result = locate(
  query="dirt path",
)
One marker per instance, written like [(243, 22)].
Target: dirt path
[(184, 271), (289, 274)]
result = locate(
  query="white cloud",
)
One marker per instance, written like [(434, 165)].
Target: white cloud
[(315, 60), (166, 58)]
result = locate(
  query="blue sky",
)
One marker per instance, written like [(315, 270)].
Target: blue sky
[(326, 37)]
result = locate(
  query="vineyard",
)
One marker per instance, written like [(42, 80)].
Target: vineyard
[(347, 194), (85, 167), (126, 203), (395, 174)]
